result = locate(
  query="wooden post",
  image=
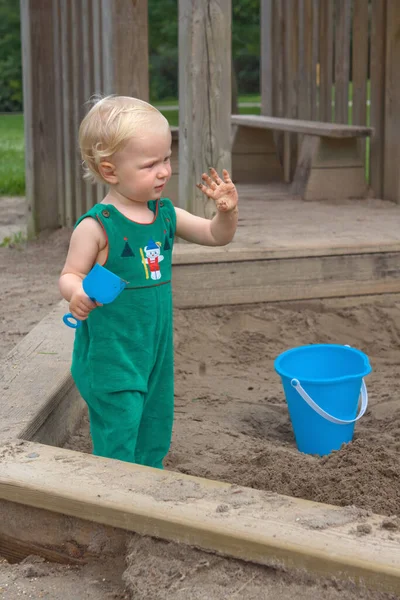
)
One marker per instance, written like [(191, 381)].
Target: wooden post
[(129, 47), (391, 188), (37, 25), (204, 96)]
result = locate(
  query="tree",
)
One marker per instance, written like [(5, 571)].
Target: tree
[(10, 57)]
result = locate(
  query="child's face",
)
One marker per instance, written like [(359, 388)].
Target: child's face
[(143, 167)]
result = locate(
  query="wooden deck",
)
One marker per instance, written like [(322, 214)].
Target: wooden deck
[(286, 248)]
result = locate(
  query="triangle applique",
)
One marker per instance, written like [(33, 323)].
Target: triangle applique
[(167, 245), (127, 251)]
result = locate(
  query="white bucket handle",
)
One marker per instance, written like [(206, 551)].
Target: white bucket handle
[(364, 403)]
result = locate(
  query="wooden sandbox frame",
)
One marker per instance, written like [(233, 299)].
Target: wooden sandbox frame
[(52, 498)]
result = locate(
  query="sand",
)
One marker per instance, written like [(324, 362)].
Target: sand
[(231, 424), (232, 420)]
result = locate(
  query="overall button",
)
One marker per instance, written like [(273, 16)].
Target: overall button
[(106, 213)]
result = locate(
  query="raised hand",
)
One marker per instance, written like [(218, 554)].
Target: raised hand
[(223, 192)]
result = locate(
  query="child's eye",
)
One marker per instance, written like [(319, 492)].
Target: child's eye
[(167, 159)]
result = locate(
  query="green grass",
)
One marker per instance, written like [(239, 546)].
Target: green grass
[(12, 155)]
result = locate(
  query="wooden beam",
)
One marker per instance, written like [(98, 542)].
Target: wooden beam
[(260, 527), (378, 79), (307, 127), (391, 187), (204, 96), (37, 26)]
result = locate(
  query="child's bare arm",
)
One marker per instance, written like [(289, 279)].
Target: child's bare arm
[(86, 242), (221, 229)]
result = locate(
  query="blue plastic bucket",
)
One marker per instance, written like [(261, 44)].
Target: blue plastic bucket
[(323, 384)]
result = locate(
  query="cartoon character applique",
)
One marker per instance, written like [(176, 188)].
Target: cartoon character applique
[(151, 258)]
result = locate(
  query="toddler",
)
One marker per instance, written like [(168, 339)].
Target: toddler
[(122, 360)]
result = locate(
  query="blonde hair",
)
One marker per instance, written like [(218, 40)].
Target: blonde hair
[(109, 125)]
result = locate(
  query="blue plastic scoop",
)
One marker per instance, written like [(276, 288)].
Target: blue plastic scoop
[(101, 285)]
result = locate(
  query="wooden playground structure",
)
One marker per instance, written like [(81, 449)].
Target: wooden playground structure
[(314, 222)]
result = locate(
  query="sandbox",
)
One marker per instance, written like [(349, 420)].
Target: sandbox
[(56, 495)]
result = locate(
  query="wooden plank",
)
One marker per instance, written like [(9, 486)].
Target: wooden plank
[(39, 114), (204, 78), (291, 78), (259, 527), (342, 60), (315, 60), (267, 58), (59, 98), (35, 377), (326, 59), (77, 100), (285, 279), (391, 184), (307, 127), (88, 79), (378, 78), (74, 536), (360, 57), (108, 18), (190, 254), (67, 90), (16, 550), (97, 70), (279, 85), (305, 54), (278, 71), (360, 61)]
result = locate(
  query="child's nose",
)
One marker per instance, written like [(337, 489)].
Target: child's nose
[(164, 171)]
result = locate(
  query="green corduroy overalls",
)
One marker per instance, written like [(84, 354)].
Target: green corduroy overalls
[(122, 360)]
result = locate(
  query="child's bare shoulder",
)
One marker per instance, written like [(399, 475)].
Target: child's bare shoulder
[(90, 228)]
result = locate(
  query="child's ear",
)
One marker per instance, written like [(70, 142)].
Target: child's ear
[(107, 171)]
